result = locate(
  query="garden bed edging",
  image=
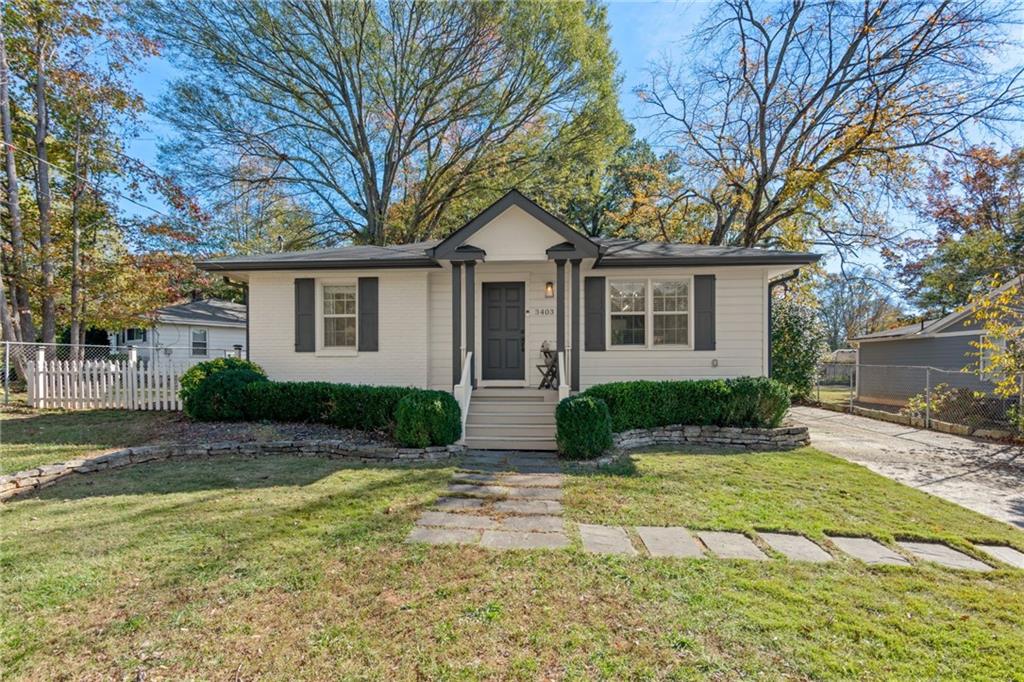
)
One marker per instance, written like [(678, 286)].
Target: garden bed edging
[(781, 438), (22, 482)]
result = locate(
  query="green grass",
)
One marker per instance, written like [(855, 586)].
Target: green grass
[(54, 436), (285, 568), (838, 396)]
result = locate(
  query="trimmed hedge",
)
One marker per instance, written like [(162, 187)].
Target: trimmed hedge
[(426, 418), (585, 423), (195, 375), (349, 406), (584, 427), (221, 396), (745, 402)]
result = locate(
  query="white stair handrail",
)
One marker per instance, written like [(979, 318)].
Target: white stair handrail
[(463, 391), (563, 388)]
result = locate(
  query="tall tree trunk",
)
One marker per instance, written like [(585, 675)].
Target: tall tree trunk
[(49, 306), (78, 188), (19, 290), (6, 324)]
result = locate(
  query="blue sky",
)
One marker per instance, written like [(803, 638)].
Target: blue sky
[(641, 32)]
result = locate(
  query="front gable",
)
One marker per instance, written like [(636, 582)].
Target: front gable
[(515, 229)]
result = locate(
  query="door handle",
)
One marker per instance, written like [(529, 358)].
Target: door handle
[(522, 341)]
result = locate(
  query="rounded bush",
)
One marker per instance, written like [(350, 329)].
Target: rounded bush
[(223, 396), (195, 374), (756, 402), (584, 427), (426, 418)]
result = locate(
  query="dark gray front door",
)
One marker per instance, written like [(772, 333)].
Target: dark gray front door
[(504, 330)]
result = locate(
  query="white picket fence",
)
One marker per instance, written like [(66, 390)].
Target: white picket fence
[(95, 384)]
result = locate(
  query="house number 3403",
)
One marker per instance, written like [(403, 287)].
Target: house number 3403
[(543, 311)]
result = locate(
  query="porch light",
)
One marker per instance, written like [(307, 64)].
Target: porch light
[(549, 290)]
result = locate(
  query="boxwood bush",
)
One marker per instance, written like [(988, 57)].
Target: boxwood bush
[(368, 408), (426, 418), (430, 418), (195, 374), (746, 402), (583, 427), (222, 395)]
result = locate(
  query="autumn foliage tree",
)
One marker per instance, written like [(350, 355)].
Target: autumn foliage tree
[(391, 121), (798, 115), (974, 206)]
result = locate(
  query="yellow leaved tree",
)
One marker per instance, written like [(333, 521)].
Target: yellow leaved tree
[(1000, 350)]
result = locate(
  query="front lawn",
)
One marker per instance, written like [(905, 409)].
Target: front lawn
[(53, 436), (290, 568)]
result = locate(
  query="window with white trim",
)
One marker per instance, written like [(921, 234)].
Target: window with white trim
[(199, 342), (671, 312), (628, 310), (647, 313), (339, 316)]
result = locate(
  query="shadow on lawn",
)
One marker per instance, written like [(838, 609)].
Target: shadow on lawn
[(228, 472)]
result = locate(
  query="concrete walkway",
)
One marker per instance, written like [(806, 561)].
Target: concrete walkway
[(983, 476)]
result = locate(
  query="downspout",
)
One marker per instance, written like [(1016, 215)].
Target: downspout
[(771, 286)]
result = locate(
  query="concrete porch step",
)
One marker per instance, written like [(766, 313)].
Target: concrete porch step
[(481, 418), (510, 430), (517, 443), (532, 395), (510, 406)]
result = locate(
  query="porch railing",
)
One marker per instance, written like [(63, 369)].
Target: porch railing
[(563, 388), (463, 391)]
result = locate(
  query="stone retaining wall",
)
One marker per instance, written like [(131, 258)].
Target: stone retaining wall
[(40, 477), (782, 438)]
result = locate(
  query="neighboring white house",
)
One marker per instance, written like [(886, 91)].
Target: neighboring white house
[(189, 332), (512, 282)]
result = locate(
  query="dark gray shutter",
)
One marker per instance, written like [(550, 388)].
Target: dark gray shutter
[(704, 312), (368, 317), (593, 290), (305, 315)]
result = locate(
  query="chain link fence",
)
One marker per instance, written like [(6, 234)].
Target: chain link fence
[(16, 358), (945, 399)]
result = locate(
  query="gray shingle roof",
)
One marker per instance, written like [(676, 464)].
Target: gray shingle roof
[(209, 311), (637, 252), (400, 255), (614, 252), (905, 330)]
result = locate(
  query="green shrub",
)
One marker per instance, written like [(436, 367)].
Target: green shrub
[(425, 418), (584, 427), (223, 396), (758, 402), (799, 344), (755, 402), (291, 401), (195, 374)]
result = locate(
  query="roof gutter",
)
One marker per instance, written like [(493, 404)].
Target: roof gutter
[(367, 264), (798, 259)]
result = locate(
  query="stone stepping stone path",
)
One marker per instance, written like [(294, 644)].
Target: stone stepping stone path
[(796, 547), (943, 555), (671, 541), (606, 540), (512, 500), (1008, 555), (726, 545), (869, 551), (500, 501)]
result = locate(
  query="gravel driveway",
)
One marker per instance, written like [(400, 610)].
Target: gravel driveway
[(983, 476)]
